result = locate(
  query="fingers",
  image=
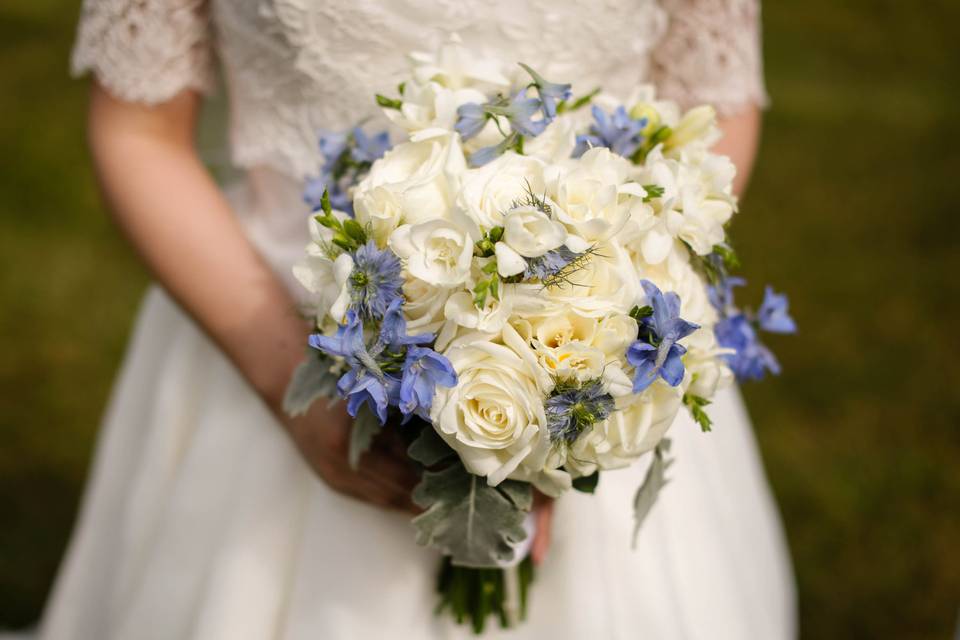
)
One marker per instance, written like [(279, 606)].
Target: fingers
[(543, 517)]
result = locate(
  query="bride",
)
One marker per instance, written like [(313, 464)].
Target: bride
[(210, 514)]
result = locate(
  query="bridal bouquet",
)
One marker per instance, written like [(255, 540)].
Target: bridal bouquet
[(529, 287)]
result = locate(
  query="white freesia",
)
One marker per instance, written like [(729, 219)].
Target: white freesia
[(492, 190), (706, 372), (494, 418), (413, 182), (697, 125), (429, 110), (456, 67), (439, 251), (696, 204)]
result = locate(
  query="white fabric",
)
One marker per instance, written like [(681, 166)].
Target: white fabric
[(201, 521), (294, 67)]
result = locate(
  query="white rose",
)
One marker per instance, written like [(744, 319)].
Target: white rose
[(494, 417), (439, 252), (635, 428), (594, 195), (411, 183), (607, 283), (490, 191), (423, 306)]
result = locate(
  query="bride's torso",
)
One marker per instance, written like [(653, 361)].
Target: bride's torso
[(292, 69), (297, 67)]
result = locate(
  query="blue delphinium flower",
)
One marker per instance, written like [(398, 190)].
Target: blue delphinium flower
[(739, 330), (773, 315), (550, 93), (471, 118), (617, 131), (656, 353), (423, 370), (572, 409), (721, 295), (486, 155), (365, 382), (347, 157), (368, 149), (375, 281), (520, 113)]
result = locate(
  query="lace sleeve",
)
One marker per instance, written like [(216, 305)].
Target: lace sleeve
[(145, 50), (711, 53)]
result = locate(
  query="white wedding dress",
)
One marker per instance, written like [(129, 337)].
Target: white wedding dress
[(200, 520)]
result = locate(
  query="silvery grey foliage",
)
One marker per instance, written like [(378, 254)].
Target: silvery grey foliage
[(311, 380), (465, 518), (365, 426), (655, 480), (429, 448)]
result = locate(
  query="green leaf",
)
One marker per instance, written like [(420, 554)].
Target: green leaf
[(653, 191), (389, 103), (365, 426), (696, 404), (639, 313), (465, 518), (587, 484), (311, 380), (429, 448), (353, 229), (730, 259), (653, 483)]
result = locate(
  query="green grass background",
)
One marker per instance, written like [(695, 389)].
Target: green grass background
[(853, 211)]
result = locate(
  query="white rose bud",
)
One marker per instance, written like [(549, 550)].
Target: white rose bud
[(439, 252)]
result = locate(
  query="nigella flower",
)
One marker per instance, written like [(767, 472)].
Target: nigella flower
[(549, 264), (657, 353), (550, 93), (375, 281), (571, 410), (617, 131), (471, 118)]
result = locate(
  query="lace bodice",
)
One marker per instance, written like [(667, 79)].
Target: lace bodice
[(295, 67)]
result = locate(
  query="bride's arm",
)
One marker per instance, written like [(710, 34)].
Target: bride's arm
[(177, 219), (741, 134)]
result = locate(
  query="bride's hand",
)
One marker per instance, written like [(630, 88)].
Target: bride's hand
[(383, 477), (543, 517)]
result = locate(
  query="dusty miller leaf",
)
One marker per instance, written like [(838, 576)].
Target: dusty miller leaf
[(465, 518), (311, 380), (429, 448), (655, 480), (365, 426)]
